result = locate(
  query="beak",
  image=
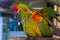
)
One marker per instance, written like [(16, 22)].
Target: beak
[(19, 10)]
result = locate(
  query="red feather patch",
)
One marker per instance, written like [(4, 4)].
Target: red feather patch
[(25, 9), (15, 8)]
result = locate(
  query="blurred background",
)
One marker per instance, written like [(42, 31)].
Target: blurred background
[(9, 28)]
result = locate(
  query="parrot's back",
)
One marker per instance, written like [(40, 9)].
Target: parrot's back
[(42, 24)]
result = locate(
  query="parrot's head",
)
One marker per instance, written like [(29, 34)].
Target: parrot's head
[(22, 9), (15, 11)]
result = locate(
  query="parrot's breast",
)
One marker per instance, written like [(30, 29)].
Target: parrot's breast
[(30, 28)]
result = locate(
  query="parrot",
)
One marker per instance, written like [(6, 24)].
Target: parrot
[(28, 24), (33, 23), (49, 12)]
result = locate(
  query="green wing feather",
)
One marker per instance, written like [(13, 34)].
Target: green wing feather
[(49, 12), (43, 25)]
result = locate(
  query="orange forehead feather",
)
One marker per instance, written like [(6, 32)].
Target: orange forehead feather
[(15, 8)]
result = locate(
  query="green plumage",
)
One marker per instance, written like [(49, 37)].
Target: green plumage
[(49, 12), (23, 14), (55, 2), (31, 28), (44, 27)]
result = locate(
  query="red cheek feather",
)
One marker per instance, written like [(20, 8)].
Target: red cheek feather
[(25, 9)]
